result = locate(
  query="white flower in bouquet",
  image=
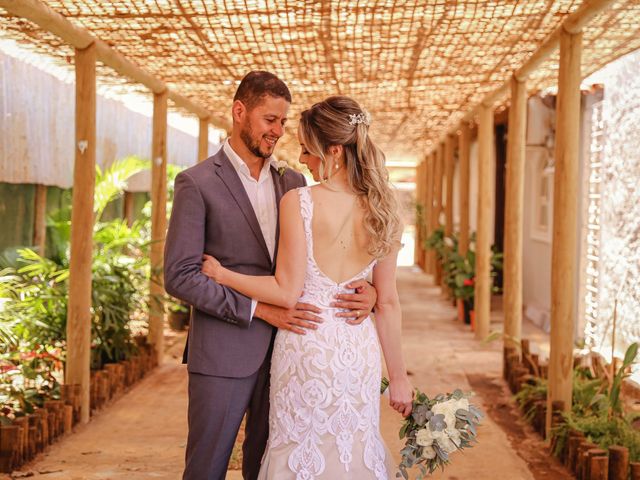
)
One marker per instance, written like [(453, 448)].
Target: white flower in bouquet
[(429, 453), (424, 438), (436, 428), (447, 445)]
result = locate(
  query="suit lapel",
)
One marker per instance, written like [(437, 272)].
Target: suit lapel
[(279, 189), (229, 176)]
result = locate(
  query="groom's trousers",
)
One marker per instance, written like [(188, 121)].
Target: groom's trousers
[(216, 408)]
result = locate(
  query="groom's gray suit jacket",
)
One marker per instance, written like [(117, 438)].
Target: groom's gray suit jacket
[(212, 214)]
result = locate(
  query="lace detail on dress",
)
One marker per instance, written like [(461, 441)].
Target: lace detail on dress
[(325, 388)]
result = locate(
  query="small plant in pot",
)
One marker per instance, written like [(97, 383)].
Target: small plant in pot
[(464, 282)]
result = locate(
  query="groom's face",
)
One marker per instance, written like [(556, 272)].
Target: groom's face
[(262, 126)]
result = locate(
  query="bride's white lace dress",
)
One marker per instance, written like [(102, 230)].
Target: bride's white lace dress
[(325, 390)]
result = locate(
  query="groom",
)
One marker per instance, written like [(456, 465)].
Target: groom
[(227, 206)]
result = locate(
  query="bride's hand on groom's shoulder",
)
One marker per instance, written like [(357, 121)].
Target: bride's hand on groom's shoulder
[(212, 268), (401, 395)]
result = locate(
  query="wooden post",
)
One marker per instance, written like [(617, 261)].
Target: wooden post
[(514, 211), (464, 150), (158, 221), (127, 214), (437, 204), (77, 369), (486, 194), (429, 260), (418, 218), (40, 219), (618, 462), (565, 209), (449, 165), (598, 468), (421, 227), (437, 186), (203, 139)]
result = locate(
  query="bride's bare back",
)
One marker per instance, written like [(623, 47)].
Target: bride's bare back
[(340, 241)]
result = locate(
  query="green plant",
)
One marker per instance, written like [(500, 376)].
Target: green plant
[(464, 278), (597, 411), (28, 377), (615, 403), (529, 394), (111, 182), (120, 273), (436, 242), (34, 294)]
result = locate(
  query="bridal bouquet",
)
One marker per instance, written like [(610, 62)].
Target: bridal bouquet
[(436, 428)]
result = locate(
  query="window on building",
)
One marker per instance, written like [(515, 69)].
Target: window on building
[(542, 218)]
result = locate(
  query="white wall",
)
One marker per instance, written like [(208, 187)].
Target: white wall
[(37, 117)]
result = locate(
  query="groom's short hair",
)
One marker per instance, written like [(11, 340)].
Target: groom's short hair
[(257, 84)]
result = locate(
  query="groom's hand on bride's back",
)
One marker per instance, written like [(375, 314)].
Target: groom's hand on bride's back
[(360, 303), (297, 319)]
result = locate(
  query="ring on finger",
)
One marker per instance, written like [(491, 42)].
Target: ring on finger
[(357, 313)]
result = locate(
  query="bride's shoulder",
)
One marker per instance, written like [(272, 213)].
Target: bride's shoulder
[(292, 197)]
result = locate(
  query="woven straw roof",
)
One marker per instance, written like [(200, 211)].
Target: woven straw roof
[(416, 65)]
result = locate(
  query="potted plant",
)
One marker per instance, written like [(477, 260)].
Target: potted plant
[(464, 283)]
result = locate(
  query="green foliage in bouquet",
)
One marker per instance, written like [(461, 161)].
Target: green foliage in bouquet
[(436, 428)]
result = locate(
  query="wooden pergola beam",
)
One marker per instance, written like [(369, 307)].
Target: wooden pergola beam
[(514, 213), (565, 214), (40, 219), (573, 23), (464, 150), (203, 139), (51, 21), (486, 203), (158, 222), (417, 249), (429, 254), (449, 165), (438, 176), (127, 210), (77, 368)]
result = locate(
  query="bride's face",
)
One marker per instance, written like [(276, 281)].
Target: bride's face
[(311, 161)]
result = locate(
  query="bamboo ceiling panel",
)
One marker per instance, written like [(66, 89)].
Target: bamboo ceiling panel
[(416, 65)]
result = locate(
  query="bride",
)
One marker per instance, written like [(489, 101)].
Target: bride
[(324, 420)]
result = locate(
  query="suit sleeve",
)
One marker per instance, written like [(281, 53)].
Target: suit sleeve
[(183, 252)]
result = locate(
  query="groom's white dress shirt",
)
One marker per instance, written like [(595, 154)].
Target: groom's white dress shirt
[(262, 196)]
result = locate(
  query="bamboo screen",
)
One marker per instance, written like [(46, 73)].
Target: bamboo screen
[(416, 65)]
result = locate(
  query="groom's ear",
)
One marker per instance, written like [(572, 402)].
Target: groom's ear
[(238, 110)]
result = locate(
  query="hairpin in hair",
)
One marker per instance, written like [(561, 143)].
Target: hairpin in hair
[(357, 118)]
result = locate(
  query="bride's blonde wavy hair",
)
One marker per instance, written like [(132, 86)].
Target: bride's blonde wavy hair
[(326, 124)]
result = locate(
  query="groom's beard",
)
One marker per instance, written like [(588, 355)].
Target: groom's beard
[(254, 145)]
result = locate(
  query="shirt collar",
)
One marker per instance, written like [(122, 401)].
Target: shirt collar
[(239, 164)]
